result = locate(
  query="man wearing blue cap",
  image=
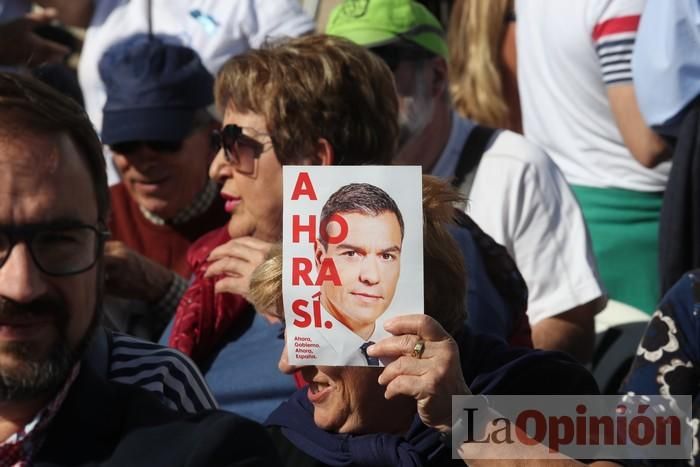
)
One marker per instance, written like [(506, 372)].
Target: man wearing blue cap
[(156, 123), (516, 193)]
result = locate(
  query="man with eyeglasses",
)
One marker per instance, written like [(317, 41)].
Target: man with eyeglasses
[(516, 193), (56, 407), (157, 126)]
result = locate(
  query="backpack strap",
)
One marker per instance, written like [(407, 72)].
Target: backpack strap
[(472, 152), (504, 275), (99, 352)]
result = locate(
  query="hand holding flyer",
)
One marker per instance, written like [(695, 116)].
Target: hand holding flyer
[(352, 246)]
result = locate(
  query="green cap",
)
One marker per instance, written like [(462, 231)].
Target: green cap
[(372, 23)]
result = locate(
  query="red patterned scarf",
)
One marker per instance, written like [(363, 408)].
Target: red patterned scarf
[(204, 318)]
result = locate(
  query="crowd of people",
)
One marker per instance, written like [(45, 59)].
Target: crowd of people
[(141, 215)]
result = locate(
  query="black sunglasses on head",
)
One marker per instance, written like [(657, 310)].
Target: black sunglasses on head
[(160, 147), (240, 150)]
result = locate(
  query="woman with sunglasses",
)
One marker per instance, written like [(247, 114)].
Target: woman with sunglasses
[(283, 104)]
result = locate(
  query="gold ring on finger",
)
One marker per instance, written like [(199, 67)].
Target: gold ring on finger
[(418, 349)]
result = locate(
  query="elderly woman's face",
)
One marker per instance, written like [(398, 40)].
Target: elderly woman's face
[(350, 400), (254, 200), (346, 399)]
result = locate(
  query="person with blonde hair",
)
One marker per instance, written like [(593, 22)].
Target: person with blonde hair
[(341, 417), (482, 63), (441, 258)]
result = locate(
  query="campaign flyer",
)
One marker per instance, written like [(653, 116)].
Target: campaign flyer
[(352, 258)]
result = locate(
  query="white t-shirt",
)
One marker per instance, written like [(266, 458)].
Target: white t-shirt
[(215, 29), (568, 52), (520, 198)]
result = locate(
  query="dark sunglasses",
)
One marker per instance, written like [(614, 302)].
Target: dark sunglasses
[(392, 55), (160, 147), (240, 150)]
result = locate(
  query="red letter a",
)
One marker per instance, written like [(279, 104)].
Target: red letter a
[(328, 272), (303, 187)]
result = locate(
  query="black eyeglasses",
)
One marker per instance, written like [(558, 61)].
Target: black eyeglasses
[(160, 147), (392, 55), (240, 150), (60, 249)]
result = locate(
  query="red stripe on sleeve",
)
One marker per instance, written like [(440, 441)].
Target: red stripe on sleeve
[(615, 26)]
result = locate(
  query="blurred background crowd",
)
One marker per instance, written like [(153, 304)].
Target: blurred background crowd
[(569, 127)]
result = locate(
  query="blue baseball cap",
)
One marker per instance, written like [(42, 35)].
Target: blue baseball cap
[(154, 89)]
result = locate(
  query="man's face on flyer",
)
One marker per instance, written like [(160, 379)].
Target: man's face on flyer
[(368, 261)]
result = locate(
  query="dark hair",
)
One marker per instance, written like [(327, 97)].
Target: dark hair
[(359, 198), (316, 87), (62, 78), (28, 105)]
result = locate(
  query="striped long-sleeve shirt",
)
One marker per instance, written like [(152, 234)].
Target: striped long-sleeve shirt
[(164, 371)]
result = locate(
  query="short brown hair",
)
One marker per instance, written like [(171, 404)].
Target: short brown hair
[(316, 87), (26, 104), (444, 278), (364, 198)]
